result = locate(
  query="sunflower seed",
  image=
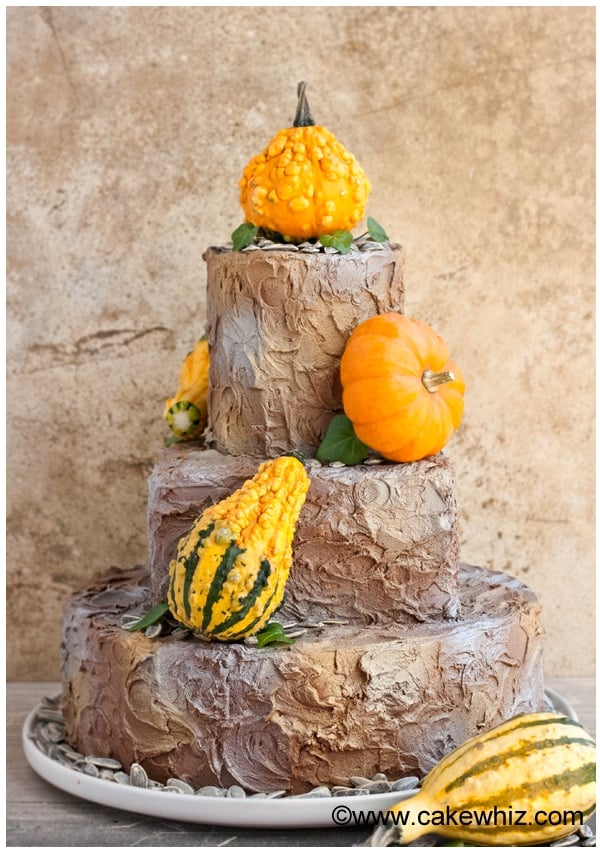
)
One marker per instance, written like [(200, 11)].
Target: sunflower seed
[(332, 622), (295, 633), (104, 762), (278, 794), (155, 784), (258, 795), (337, 464), (90, 768), (122, 778), (317, 792), (55, 732), (590, 842), (405, 783), (379, 776), (566, 840), (251, 247), (349, 791), (71, 753), (46, 713), (359, 781), (585, 831), (107, 774), (280, 246), (181, 631), (138, 776), (129, 620), (377, 787), (52, 751), (153, 631), (183, 787), (372, 461), (211, 791), (51, 702), (236, 792)]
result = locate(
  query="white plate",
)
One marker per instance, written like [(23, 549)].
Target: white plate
[(286, 812)]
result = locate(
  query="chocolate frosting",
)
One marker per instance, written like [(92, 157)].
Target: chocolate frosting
[(341, 701), (277, 324), (372, 543)]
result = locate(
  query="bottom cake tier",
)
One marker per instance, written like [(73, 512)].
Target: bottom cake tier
[(341, 701)]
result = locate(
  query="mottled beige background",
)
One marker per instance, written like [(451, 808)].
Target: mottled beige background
[(128, 128)]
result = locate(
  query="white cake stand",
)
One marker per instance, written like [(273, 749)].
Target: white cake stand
[(286, 812)]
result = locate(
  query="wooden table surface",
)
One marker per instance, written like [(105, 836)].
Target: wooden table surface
[(40, 815)]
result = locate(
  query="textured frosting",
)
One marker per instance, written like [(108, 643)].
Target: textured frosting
[(372, 543), (339, 702), (277, 323)]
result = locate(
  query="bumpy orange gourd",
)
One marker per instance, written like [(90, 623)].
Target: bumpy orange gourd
[(403, 394), (305, 183)]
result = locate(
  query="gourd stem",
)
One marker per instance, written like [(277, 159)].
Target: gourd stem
[(303, 117), (432, 380)]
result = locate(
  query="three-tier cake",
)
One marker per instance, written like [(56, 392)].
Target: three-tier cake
[(400, 651)]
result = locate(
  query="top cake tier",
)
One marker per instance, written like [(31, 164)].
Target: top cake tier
[(277, 324)]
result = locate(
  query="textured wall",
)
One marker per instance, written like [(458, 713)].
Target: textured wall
[(128, 128)]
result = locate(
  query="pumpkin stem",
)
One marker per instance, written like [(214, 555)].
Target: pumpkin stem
[(432, 380), (303, 116)]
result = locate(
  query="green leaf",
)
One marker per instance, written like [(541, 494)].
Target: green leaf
[(273, 633), (153, 616), (243, 236), (376, 232), (339, 239), (341, 444), (171, 441)]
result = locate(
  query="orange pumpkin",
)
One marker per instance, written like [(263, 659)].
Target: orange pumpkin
[(402, 393)]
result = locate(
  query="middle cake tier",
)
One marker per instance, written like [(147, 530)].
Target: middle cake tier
[(373, 544)]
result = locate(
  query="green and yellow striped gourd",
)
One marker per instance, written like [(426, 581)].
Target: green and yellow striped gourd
[(231, 568), (525, 782), (186, 413)]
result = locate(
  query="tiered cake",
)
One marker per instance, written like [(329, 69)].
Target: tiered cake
[(401, 653)]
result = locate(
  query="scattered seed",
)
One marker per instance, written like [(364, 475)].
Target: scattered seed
[(404, 784), (566, 840), (359, 781), (184, 787), (585, 831), (377, 787), (138, 776), (236, 792), (317, 792), (46, 713), (335, 623), (153, 631), (590, 842), (104, 762), (296, 633), (91, 769), (350, 792)]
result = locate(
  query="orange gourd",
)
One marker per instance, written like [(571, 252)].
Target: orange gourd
[(305, 183), (402, 393)]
